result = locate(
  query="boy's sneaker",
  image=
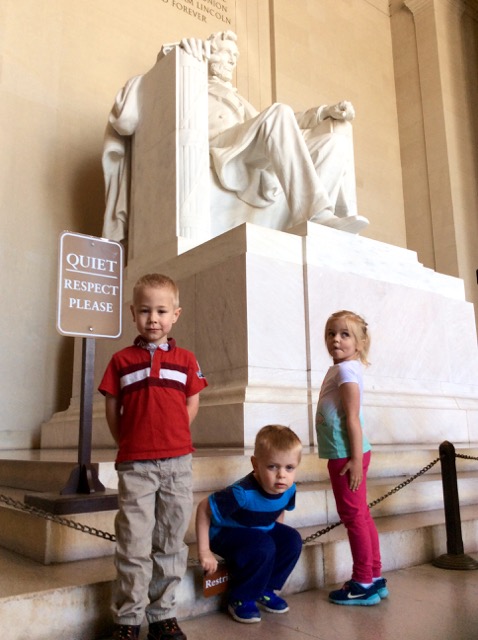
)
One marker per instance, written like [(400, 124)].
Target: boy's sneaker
[(244, 611), (126, 632), (165, 630), (353, 593), (381, 586), (273, 603)]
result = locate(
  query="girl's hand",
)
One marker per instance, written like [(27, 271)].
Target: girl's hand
[(350, 396), (354, 468), (208, 561)]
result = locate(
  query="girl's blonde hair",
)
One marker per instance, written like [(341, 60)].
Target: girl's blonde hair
[(357, 327)]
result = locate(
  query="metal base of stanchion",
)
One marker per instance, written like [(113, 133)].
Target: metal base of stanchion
[(83, 479), (460, 561), (70, 504)]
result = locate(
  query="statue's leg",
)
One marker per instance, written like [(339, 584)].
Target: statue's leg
[(280, 140), (272, 142), (332, 156)]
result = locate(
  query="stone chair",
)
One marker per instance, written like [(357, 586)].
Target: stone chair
[(175, 199)]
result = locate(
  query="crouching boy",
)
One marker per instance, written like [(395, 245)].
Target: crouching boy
[(243, 524)]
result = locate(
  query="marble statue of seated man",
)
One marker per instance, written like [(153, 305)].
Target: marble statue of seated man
[(276, 153), (283, 166)]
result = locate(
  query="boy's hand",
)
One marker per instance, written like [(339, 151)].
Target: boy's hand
[(208, 561)]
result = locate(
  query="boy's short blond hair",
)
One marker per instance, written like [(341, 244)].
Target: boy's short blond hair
[(159, 281), (276, 437)]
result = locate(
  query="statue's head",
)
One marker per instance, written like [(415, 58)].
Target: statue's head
[(224, 54)]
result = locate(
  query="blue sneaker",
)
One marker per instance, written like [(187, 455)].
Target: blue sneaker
[(244, 611), (381, 586), (352, 593), (273, 603)]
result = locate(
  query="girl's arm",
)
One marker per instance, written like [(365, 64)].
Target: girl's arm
[(350, 397), (203, 520), (192, 406), (112, 411)]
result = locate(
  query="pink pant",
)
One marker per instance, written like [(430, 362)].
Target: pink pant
[(355, 514)]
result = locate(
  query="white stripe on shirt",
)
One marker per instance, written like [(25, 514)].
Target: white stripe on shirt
[(136, 376), (172, 374), (142, 374)]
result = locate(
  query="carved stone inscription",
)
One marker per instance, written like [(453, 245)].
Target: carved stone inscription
[(203, 10)]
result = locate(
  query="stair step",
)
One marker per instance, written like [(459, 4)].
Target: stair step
[(212, 468), (48, 470), (48, 542)]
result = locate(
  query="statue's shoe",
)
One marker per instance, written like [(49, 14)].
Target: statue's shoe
[(351, 224)]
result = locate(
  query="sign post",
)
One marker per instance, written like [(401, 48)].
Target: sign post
[(84, 477), (90, 297)]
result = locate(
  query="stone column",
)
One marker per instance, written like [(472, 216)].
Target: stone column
[(436, 21)]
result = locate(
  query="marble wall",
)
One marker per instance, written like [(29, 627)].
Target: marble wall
[(61, 66)]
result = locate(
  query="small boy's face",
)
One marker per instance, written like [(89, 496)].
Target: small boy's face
[(154, 311), (275, 471)]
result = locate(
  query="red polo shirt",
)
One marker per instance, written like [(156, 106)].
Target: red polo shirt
[(152, 387)]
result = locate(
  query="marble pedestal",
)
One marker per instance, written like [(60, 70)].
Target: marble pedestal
[(255, 301)]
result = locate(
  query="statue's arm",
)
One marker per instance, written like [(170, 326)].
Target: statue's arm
[(124, 115), (342, 111)]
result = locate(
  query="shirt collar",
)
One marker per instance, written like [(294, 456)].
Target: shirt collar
[(151, 347)]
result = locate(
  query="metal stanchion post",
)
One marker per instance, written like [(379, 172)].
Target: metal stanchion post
[(455, 558)]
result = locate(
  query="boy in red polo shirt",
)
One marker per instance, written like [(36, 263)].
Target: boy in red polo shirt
[(152, 396)]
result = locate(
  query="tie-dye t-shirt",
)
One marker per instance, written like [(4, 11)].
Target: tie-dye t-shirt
[(330, 420)]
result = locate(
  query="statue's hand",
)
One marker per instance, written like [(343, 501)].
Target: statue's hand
[(341, 111), (200, 49)]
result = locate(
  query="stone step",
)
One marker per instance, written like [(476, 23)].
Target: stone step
[(48, 542), (315, 503), (74, 598), (49, 469)]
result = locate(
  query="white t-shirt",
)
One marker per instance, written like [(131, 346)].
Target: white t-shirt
[(330, 420)]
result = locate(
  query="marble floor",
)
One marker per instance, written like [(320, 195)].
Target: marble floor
[(425, 603)]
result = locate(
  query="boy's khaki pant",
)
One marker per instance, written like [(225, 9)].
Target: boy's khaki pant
[(155, 507)]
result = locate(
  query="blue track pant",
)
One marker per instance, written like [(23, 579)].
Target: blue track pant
[(257, 560)]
